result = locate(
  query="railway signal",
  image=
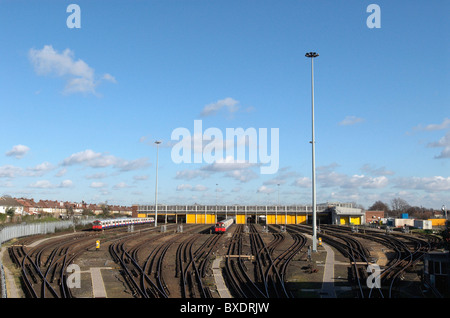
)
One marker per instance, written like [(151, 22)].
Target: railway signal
[(97, 245)]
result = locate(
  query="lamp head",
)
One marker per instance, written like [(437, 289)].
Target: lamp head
[(311, 54)]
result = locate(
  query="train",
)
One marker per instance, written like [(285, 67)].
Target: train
[(222, 226), (99, 225)]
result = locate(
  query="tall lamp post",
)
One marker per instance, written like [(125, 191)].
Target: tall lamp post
[(216, 204), (312, 55), (156, 187)]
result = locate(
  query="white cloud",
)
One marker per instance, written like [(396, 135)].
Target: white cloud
[(182, 187), (370, 169), (101, 160), (61, 172), (302, 182), (79, 76), (18, 151), (239, 170), (264, 189), (429, 184), (242, 175), (109, 77), (89, 157), (211, 109), (97, 176), (328, 179), (140, 178), (42, 184), (283, 175), (198, 187), (97, 185), (40, 169), (9, 171), (121, 185), (129, 165), (374, 183), (431, 127), (351, 120), (444, 143), (45, 184), (191, 174), (66, 184), (228, 164)]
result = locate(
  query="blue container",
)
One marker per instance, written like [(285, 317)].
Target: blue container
[(405, 216)]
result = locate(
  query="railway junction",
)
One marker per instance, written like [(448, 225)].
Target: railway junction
[(247, 261)]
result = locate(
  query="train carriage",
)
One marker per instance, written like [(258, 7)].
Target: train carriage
[(99, 225), (222, 226)]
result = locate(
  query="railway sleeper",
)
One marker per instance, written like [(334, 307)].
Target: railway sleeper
[(14, 257), (191, 285), (31, 273)]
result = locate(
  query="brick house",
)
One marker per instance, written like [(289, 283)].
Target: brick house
[(372, 216)]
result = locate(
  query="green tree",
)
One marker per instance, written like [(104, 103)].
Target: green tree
[(105, 210), (10, 211)]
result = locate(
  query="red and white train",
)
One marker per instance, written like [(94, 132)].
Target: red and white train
[(222, 226), (98, 225)]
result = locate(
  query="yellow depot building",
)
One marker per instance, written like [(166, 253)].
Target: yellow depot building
[(347, 215), (243, 214)]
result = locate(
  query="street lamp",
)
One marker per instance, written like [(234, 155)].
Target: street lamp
[(312, 55), (216, 203), (156, 187)]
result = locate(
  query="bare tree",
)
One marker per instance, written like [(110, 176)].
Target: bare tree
[(379, 206), (399, 205)]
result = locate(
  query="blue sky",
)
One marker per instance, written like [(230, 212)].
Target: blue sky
[(82, 107)]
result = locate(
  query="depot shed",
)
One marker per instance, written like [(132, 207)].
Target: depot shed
[(347, 216)]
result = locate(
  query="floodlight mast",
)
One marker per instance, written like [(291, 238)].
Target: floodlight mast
[(156, 186), (312, 55)]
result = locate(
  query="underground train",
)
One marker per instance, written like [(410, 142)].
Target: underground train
[(110, 223), (222, 226)]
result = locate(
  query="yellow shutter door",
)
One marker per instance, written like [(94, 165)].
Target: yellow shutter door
[(355, 220), (301, 219), (190, 218), (344, 220)]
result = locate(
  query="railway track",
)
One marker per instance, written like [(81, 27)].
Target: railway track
[(408, 250), (169, 265), (351, 248), (143, 267), (256, 271), (44, 268), (143, 280), (192, 265)]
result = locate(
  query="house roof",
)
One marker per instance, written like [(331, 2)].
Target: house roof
[(27, 203), (8, 201)]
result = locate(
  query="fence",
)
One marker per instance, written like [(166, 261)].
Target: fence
[(15, 231), (2, 280)]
